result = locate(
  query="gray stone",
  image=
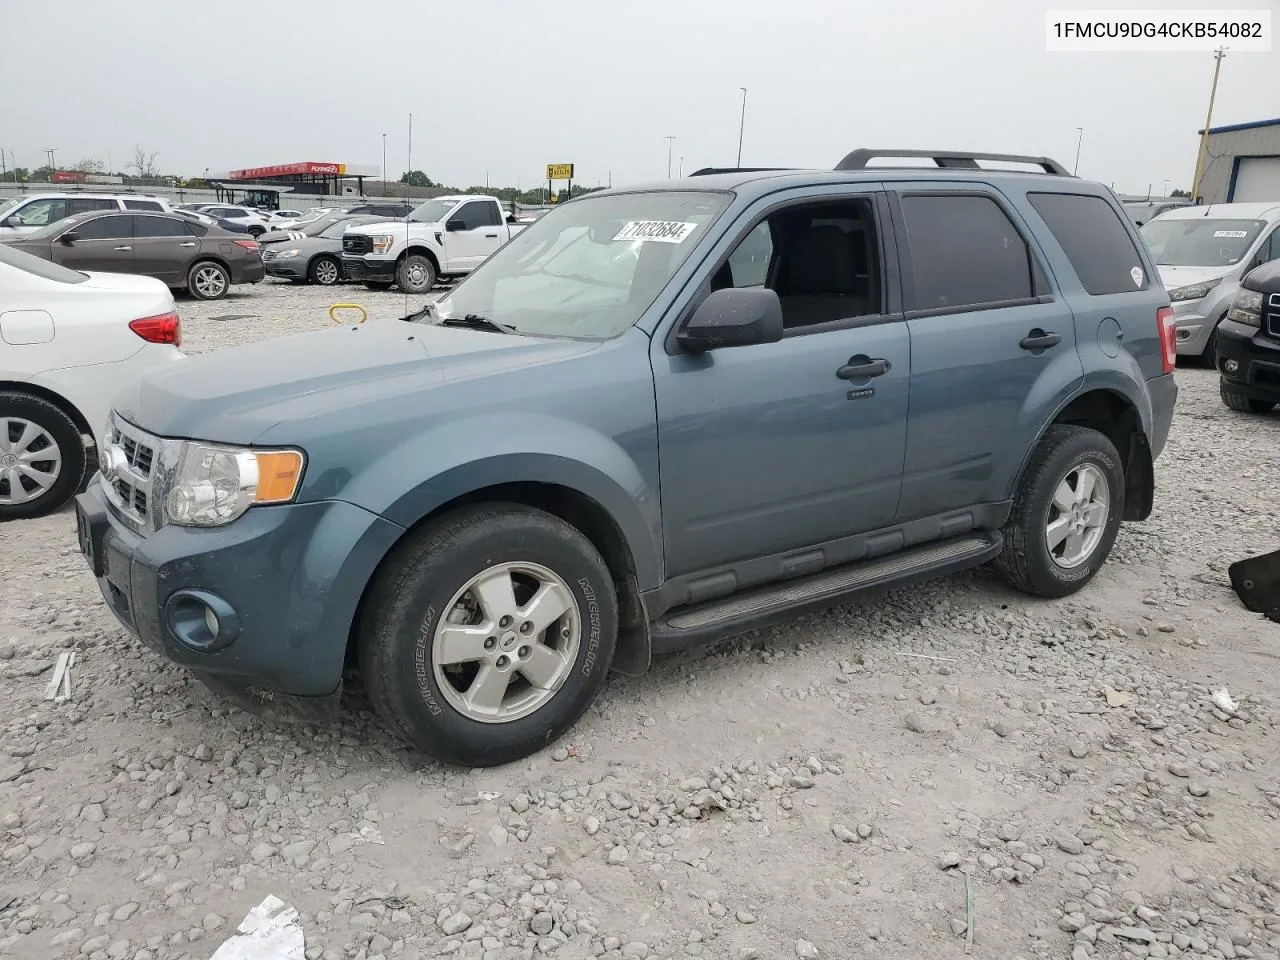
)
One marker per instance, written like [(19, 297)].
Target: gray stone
[(1070, 844), (455, 924), (542, 924), (806, 950)]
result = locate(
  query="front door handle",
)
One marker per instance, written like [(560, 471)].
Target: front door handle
[(1039, 339), (122, 248), (863, 367), (492, 236)]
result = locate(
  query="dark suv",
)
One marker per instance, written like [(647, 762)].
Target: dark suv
[(660, 415), (1249, 343)]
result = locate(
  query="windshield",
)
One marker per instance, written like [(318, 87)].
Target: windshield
[(314, 228), (1200, 241), (589, 269), (38, 267), (433, 211)]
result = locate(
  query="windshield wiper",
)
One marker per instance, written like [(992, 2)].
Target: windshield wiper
[(476, 322)]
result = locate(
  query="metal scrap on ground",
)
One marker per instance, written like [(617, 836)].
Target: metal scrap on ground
[(270, 931)]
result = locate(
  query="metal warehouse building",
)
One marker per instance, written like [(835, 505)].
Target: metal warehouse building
[(1243, 163)]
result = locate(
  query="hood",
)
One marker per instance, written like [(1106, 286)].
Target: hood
[(236, 395), (386, 226), (1174, 277), (278, 235)]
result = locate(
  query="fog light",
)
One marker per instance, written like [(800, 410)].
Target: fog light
[(201, 621), (211, 621), (1231, 366)]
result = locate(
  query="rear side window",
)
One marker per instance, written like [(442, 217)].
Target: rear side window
[(142, 205), (195, 229), (90, 204), (964, 252), (145, 226), (1094, 239)]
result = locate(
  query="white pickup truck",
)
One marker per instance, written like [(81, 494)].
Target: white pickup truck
[(447, 236)]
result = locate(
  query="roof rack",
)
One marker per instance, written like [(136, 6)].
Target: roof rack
[(858, 159), (710, 171)]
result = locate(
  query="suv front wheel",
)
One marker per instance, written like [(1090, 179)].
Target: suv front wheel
[(487, 634), (1066, 513)]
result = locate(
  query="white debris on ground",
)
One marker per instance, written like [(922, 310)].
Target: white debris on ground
[(269, 931), (820, 789)]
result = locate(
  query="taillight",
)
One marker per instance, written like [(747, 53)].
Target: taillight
[(247, 244), (1168, 337), (164, 328)]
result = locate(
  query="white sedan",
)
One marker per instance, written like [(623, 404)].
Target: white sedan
[(69, 342)]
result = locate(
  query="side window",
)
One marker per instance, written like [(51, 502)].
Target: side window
[(106, 228), (1270, 248), (90, 204), (41, 213), (195, 229), (145, 226), (964, 251), (142, 205), (474, 214), (820, 259), (1094, 240), (748, 265), (492, 215)]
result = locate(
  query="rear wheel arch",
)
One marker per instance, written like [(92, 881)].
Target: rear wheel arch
[(582, 512), (1116, 417)]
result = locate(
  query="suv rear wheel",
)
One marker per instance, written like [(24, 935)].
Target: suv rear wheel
[(487, 634), (1066, 513), (1237, 399)]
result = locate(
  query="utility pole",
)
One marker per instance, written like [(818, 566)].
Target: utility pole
[(670, 140), (1079, 141), (681, 170), (1208, 120), (742, 124), (384, 166), (410, 167), (49, 153)]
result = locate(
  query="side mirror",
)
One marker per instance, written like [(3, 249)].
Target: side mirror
[(69, 237), (733, 318), (455, 225)]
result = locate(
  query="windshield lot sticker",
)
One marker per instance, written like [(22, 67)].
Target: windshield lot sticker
[(658, 231), (1136, 273), (1233, 234)]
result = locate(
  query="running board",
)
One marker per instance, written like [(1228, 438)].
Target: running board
[(750, 610)]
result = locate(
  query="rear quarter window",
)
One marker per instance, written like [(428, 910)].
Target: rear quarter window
[(1095, 241)]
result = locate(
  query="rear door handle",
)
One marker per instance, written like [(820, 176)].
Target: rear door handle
[(189, 244), (862, 367), (122, 248), (1038, 339)]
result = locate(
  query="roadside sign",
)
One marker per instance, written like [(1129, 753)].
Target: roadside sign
[(559, 171)]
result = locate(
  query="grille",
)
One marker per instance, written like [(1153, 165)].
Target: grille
[(268, 255), (128, 464), (357, 244), (1271, 315)]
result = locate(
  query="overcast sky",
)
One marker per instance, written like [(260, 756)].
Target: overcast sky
[(507, 86)]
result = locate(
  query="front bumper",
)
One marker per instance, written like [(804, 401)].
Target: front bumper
[(1194, 328), (293, 268), (1249, 360), (375, 271), (284, 581)]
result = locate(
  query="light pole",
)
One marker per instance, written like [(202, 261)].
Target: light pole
[(49, 152), (670, 140), (681, 170), (1079, 140), (742, 124), (384, 165), (1208, 120)]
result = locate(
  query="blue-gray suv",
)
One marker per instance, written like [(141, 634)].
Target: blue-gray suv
[(661, 415)]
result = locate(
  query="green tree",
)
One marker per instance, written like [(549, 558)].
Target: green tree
[(1180, 193), (41, 174), (416, 178)]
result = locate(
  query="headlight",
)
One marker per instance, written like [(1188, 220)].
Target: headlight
[(1246, 308), (214, 485), (383, 243), (1194, 291), (286, 254)]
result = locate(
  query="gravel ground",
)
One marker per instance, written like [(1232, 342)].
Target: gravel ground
[(823, 789)]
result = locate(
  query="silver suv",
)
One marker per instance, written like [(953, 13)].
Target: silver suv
[(34, 211), (1202, 254)]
